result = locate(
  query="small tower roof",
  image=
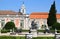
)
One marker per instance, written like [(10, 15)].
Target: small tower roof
[(23, 6)]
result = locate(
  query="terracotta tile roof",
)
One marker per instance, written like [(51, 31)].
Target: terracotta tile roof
[(38, 15), (58, 16), (5, 12)]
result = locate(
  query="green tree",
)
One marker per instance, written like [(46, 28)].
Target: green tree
[(52, 15), (56, 25), (9, 25)]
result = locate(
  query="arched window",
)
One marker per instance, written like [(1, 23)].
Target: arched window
[(23, 10), (12, 20), (2, 23)]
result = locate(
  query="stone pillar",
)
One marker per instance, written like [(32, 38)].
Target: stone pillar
[(55, 31), (24, 23), (27, 23), (34, 32)]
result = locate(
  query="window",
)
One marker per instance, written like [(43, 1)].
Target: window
[(2, 23), (38, 23), (12, 20), (23, 10), (22, 23)]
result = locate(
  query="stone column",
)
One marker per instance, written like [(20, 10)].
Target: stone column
[(29, 23), (26, 23)]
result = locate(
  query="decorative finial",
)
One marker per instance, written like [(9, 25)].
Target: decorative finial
[(54, 0), (23, 2), (19, 10)]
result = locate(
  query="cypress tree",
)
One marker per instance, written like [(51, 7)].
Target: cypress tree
[(52, 15)]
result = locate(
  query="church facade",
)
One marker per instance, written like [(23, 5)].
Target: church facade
[(22, 20)]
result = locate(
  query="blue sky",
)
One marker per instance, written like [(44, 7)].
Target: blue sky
[(31, 5)]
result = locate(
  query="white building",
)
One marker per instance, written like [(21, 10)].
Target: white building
[(41, 18)]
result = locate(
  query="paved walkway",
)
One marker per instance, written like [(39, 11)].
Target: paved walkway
[(40, 34)]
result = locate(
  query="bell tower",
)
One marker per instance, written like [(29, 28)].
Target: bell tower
[(23, 9)]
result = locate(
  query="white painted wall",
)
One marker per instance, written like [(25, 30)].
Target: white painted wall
[(17, 22), (58, 20), (27, 21), (40, 22)]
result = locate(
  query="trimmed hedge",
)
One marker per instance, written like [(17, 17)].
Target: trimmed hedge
[(25, 30), (4, 31), (37, 30), (9, 25), (40, 30), (53, 31)]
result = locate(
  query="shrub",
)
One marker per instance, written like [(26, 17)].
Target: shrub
[(56, 25), (40, 30), (4, 31), (9, 25)]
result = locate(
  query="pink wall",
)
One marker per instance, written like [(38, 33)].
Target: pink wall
[(17, 22), (7, 20)]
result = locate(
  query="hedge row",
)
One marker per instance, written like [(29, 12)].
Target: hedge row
[(40, 30), (5, 31), (53, 31), (25, 30), (58, 31)]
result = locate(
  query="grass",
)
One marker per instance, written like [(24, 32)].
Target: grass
[(11, 37), (44, 38), (40, 30), (18, 37)]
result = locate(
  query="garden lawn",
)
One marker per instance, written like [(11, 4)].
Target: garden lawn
[(43, 38), (18, 37), (11, 37)]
